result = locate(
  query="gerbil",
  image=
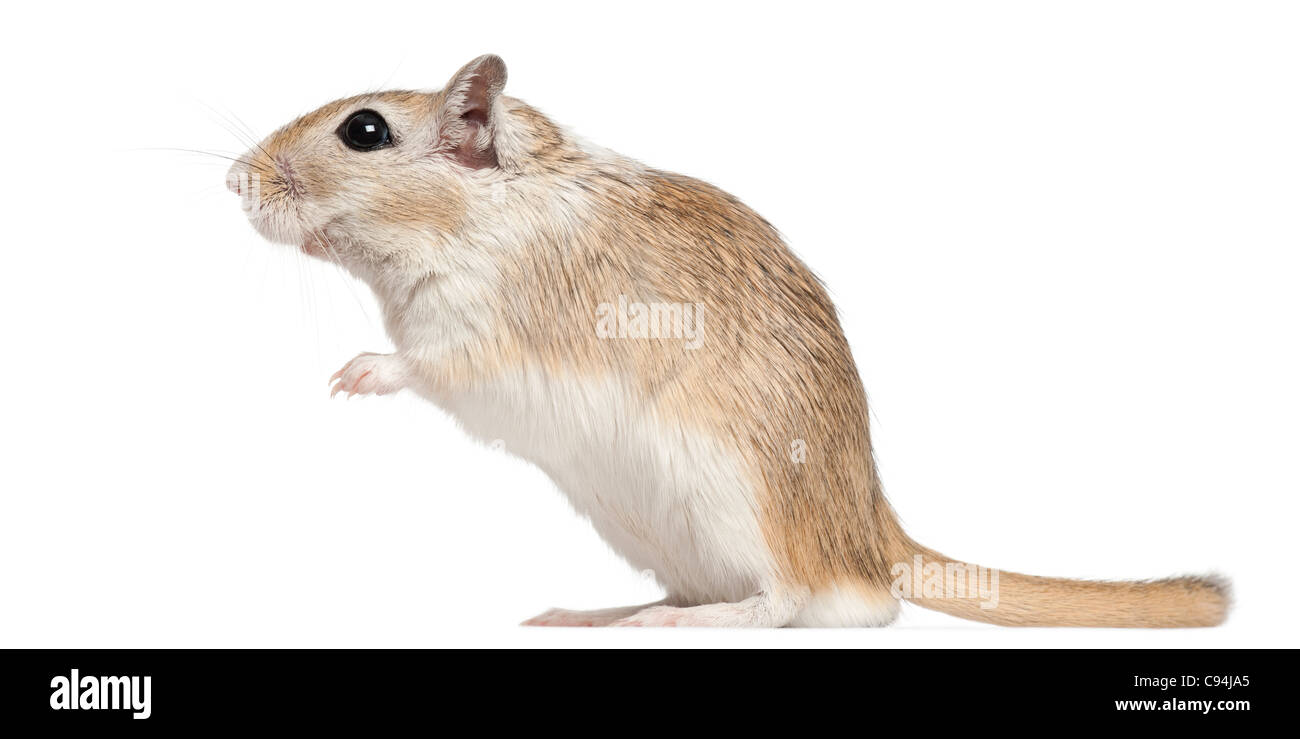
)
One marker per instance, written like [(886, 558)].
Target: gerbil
[(735, 463)]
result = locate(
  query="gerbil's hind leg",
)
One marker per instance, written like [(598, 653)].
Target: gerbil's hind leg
[(603, 617), (765, 610)]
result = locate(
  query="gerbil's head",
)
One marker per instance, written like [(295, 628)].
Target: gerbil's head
[(377, 182)]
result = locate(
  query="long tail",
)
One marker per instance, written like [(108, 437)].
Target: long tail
[(1012, 599)]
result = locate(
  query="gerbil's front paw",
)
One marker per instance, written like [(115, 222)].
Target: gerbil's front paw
[(370, 374)]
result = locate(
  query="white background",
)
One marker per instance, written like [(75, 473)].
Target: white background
[(1062, 239)]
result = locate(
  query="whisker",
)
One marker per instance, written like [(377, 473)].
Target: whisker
[(259, 167), (237, 128), (328, 247)]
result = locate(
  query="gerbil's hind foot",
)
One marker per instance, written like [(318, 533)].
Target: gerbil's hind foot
[(371, 374), (760, 611), (603, 617)]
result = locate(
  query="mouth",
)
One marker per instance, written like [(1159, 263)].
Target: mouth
[(277, 220), (314, 246)]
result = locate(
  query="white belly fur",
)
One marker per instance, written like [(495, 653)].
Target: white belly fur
[(665, 498)]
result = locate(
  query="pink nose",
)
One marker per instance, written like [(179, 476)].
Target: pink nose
[(232, 183)]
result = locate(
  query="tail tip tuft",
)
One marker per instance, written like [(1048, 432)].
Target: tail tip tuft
[(1216, 590)]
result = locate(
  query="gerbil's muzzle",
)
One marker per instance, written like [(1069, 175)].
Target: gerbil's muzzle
[(247, 185)]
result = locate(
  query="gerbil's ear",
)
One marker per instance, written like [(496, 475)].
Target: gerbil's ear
[(467, 118)]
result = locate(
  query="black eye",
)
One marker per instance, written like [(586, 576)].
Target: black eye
[(365, 130)]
